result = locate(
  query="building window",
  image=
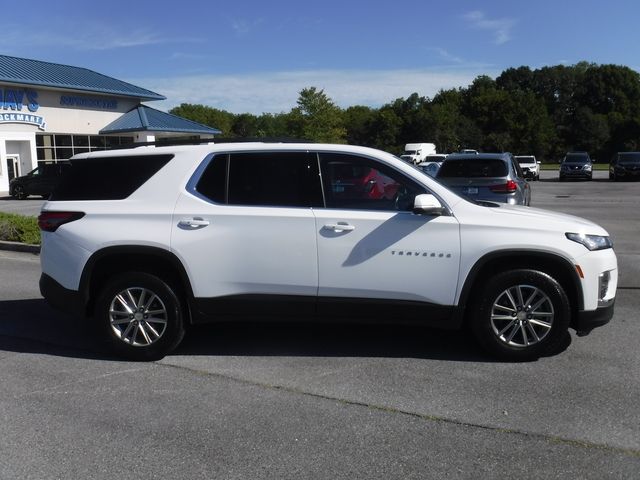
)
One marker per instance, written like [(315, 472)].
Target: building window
[(62, 147)]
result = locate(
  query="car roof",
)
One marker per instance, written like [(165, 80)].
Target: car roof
[(478, 156), (230, 147)]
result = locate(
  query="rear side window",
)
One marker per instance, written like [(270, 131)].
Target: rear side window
[(282, 179), (107, 178), (474, 168), (276, 179)]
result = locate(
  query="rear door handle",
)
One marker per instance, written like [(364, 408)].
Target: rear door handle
[(193, 223), (340, 227)]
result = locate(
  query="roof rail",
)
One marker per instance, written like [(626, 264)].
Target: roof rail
[(200, 141)]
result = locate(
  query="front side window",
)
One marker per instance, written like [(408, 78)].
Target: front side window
[(353, 182)]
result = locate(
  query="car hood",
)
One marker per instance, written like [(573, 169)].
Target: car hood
[(526, 217)]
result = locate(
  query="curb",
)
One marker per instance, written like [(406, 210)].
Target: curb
[(19, 247)]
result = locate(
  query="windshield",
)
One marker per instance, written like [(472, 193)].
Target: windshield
[(473, 168), (630, 158), (525, 160), (577, 158)]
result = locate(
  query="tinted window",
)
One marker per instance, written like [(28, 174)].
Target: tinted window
[(107, 178), (286, 179), (473, 168), (581, 158), (213, 182), (629, 158), (352, 182)]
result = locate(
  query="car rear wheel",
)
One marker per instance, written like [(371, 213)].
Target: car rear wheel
[(139, 316), (521, 315)]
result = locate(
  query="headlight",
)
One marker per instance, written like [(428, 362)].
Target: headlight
[(587, 167), (592, 242)]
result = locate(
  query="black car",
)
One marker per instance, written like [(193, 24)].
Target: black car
[(576, 165), (625, 166), (40, 181)]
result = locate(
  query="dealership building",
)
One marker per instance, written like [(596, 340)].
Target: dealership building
[(49, 112)]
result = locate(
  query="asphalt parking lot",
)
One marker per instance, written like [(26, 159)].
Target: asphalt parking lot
[(275, 401)]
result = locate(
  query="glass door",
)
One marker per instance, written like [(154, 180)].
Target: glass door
[(13, 166)]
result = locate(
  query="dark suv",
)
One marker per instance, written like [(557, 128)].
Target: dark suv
[(625, 166), (576, 165), (40, 181)]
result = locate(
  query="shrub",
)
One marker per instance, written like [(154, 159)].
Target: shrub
[(19, 228)]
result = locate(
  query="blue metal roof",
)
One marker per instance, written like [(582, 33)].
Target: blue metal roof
[(34, 72), (147, 119)]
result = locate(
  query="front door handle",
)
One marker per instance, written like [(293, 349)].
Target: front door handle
[(340, 227), (193, 223)]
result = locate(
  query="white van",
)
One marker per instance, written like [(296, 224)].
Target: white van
[(417, 152)]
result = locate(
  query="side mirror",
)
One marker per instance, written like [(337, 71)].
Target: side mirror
[(427, 204)]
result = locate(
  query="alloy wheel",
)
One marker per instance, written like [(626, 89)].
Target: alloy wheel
[(522, 316), (138, 316)]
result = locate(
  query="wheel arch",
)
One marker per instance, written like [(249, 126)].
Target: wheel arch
[(109, 261), (562, 270)]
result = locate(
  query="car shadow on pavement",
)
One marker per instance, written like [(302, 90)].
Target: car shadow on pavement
[(331, 340), (31, 326)]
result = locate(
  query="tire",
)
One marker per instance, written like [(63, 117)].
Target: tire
[(19, 192), (521, 315), (139, 316)]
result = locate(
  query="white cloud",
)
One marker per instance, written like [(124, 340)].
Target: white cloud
[(499, 27), (90, 38), (244, 27), (446, 55), (278, 92)]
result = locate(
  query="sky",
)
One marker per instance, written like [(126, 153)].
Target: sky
[(256, 56)]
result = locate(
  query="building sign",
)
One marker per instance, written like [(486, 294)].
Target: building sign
[(12, 101), (88, 102), (23, 118)]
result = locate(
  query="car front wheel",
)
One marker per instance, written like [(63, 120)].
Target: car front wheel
[(521, 315), (139, 316), (19, 192)]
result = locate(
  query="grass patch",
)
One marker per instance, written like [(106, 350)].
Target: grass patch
[(19, 228)]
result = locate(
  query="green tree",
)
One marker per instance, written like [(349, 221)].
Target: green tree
[(321, 119), (209, 116)]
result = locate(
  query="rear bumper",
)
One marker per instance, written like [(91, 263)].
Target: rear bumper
[(590, 319), (60, 298)]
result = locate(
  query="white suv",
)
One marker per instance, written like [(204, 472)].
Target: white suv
[(149, 240)]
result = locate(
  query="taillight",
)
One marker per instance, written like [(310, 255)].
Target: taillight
[(50, 221), (508, 187)]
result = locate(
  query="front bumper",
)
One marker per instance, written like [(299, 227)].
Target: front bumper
[(576, 174), (588, 320)]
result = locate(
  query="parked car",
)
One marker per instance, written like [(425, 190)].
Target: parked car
[(576, 165), (432, 163), (436, 157), (530, 166), (625, 166), (494, 177), (430, 168), (237, 232), (40, 181)]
